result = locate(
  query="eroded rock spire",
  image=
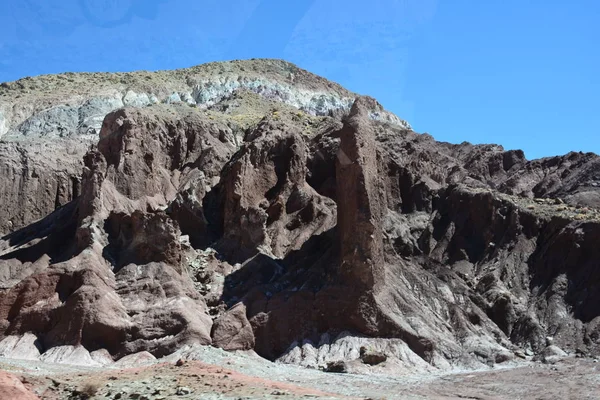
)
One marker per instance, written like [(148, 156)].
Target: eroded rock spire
[(361, 198)]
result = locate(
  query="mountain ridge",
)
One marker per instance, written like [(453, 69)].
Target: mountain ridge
[(251, 223)]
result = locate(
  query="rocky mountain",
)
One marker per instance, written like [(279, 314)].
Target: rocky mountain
[(251, 205), (49, 117)]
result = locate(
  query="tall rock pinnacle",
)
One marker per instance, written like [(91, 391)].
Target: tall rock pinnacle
[(361, 199)]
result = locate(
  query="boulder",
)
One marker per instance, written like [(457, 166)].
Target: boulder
[(232, 330), (102, 357), (12, 388), (371, 357), (135, 359), (550, 355), (339, 367)]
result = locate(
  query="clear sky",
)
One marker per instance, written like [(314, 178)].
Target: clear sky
[(522, 73)]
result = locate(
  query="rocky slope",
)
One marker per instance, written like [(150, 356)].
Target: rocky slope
[(209, 373), (66, 111), (257, 210)]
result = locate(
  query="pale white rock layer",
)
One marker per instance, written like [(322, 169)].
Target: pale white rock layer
[(83, 115), (27, 347), (24, 347), (72, 355), (346, 347), (3, 124), (136, 359)]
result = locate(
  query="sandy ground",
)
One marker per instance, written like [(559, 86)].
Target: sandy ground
[(217, 375)]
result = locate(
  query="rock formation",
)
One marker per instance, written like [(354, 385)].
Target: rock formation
[(361, 200), (94, 292), (258, 211), (57, 117), (232, 331), (12, 388)]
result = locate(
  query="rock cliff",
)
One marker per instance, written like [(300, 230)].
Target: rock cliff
[(253, 205)]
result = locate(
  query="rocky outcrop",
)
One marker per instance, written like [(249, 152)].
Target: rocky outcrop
[(232, 330), (250, 224), (361, 200), (349, 283), (37, 178), (26, 347), (12, 388), (70, 103), (550, 355), (120, 281), (267, 203), (371, 357), (48, 119)]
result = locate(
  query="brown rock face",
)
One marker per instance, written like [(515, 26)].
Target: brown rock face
[(282, 232), (232, 331), (361, 200), (37, 179), (120, 282), (142, 238), (12, 388), (371, 357), (268, 204)]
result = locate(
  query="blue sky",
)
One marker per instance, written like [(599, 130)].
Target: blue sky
[(523, 73)]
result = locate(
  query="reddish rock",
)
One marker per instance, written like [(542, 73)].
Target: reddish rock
[(120, 282), (267, 203), (12, 388), (232, 331), (316, 226), (38, 177), (361, 200)]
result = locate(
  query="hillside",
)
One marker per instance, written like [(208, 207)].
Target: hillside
[(253, 206)]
